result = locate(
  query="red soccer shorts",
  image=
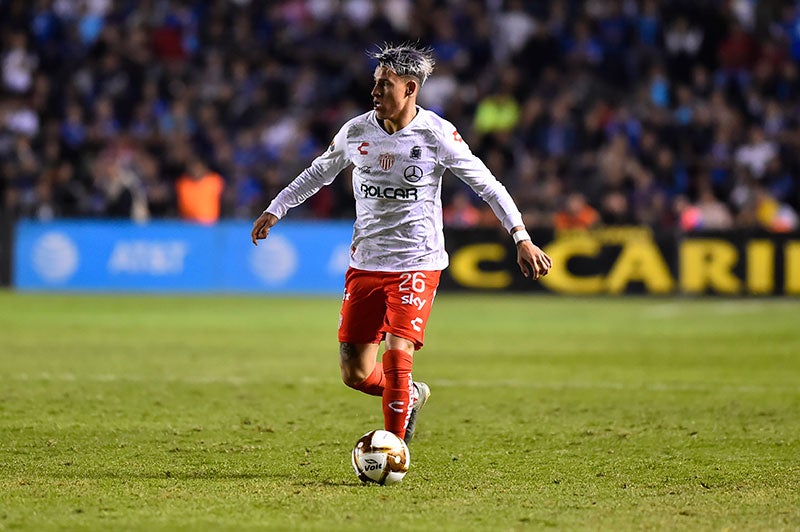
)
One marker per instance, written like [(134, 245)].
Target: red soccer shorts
[(376, 303)]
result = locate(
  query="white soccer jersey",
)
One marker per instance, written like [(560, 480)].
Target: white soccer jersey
[(397, 183)]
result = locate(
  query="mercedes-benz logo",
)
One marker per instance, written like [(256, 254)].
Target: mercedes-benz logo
[(412, 173)]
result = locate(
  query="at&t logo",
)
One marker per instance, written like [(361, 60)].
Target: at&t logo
[(55, 257)]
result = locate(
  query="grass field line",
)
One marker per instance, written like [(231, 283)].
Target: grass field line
[(444, 383), (650, 387), (724, 307)]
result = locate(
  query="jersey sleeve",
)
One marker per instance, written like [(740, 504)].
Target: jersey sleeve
[(323, 171), (454, 154)]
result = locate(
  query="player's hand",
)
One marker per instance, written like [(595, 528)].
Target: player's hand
[(262, 226), (532, 260)]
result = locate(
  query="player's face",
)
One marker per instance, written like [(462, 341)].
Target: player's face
[(390, 94)]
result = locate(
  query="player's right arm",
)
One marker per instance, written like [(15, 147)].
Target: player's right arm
[(262, 226), (323, 171)]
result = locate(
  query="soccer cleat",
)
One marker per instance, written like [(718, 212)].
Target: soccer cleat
[(423, 392)]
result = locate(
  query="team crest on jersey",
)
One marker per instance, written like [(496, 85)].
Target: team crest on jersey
[(386, 160), (416, 152)]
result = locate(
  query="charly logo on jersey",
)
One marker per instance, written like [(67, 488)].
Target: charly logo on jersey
[(416, 153), (412, 173), (386, 160)]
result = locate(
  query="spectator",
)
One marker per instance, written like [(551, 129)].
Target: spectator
[(18, 117), (576, 214), (514, 26), (499, 111), (615, 209), (558, 137), (118, 188), (682, 44), (461, 212), (199, 193), (756, 154), (18, 64), (583, 49), (712, 214), (773, 215), (737, 53)]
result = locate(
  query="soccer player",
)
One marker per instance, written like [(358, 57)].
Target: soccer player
[(399, 152)]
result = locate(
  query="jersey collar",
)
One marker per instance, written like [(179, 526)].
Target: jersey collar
[(380, 127)]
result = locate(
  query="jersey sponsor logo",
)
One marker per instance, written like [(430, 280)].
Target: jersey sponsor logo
[(412, 173), (416, 152), (361, 147), (416, 301), (392, 193), (365, 169), (415, 323), (386, 160), (457, 137)]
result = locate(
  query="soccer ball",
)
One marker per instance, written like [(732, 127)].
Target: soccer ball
[(381, 457)]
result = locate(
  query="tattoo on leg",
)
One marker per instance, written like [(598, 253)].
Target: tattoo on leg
[(347, 351)]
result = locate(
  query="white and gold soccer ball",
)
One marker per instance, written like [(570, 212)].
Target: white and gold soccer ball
[(381, 457)]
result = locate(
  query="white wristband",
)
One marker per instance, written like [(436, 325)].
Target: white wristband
[(520, 235)]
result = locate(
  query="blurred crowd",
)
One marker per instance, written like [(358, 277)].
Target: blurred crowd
[(672, 114)]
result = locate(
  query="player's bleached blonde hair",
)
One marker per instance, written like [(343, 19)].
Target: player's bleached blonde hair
[(406, 60)]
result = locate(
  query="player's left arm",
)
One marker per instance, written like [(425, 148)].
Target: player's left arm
[(456, 155), (531, 259)]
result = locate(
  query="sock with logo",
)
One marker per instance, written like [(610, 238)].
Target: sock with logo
[(397, 390), (373, 385)]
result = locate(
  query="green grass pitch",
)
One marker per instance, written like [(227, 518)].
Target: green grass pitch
[(227, 413)]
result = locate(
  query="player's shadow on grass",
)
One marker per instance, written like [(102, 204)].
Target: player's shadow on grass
[(176, 475), (328, 483), (204, 475)]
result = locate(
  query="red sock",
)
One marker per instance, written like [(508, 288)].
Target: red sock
[(397, 390), (373, 385)]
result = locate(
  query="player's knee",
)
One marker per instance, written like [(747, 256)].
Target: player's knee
[(397, 343), (351, 364), (353, 376)]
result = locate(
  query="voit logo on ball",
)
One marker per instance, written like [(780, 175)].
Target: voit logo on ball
[(55, 257)]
